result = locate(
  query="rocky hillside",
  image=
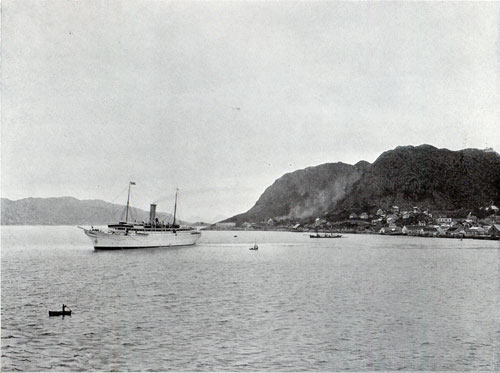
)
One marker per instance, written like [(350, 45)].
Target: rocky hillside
[(304, 193), (67, 211), (423, 176)]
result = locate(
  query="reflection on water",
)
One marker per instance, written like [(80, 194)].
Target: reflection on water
[(355, 303)]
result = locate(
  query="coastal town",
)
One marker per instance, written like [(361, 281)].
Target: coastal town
[(484, 224)]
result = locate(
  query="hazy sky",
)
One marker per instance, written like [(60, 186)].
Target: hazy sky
[(220, 99)]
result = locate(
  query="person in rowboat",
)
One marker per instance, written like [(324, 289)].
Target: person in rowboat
[(64, 307)]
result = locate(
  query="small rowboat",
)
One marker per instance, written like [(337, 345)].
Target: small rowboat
[(59, 313)]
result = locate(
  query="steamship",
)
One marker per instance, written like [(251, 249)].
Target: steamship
[(128, 235)]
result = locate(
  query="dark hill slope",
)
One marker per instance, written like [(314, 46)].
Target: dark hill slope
[(425, 176), (67, 211), (304, 193)]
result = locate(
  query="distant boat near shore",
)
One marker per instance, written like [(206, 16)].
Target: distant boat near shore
[(327, 235), (128, 235), (254, 247)]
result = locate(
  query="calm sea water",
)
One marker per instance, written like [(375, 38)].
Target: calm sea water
[(355, 303)]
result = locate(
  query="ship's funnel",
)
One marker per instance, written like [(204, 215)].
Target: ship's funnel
[(152, 213)]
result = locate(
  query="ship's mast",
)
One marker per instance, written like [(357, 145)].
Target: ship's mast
[(175, 206), (128, 199)]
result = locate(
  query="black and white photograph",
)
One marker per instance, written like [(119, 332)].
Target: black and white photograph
[(250, 186)]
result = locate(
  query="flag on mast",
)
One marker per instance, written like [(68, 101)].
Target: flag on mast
[(132, 183)]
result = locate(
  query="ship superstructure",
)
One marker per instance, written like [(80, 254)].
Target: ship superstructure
[(133, 235)]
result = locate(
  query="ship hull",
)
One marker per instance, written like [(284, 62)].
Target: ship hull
[(134, 240)]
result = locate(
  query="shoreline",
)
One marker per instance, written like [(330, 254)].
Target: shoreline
[(239, 229), (236, 229)]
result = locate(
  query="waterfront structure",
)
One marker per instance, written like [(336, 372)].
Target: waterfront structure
[(413, 230), (494, 230), (444, 220)]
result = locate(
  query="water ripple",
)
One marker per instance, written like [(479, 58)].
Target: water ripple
[(367, 303)]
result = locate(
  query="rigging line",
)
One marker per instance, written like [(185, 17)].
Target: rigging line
[(119, 194), (98, 210), (164, 198), (133, 214), (179, 214), (116, 206)]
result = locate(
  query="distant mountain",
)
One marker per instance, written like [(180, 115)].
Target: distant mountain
[(423, 176), (68, 211), (304, 193)]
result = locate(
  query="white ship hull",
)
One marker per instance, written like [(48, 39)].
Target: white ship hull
[(155, 233), (113, 240)]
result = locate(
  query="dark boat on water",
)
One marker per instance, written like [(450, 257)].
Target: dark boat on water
[(325, 235), (59, 313), (255, 246), (65, 311)]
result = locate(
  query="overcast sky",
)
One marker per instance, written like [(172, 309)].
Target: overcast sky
[(221, 99)]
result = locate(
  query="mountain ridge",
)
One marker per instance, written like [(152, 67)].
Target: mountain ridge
[(68, 210), (407, 176), (425, 176), (292, 196)]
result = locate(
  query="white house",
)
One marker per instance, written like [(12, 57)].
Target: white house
[(444, 220), (413, 230)]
